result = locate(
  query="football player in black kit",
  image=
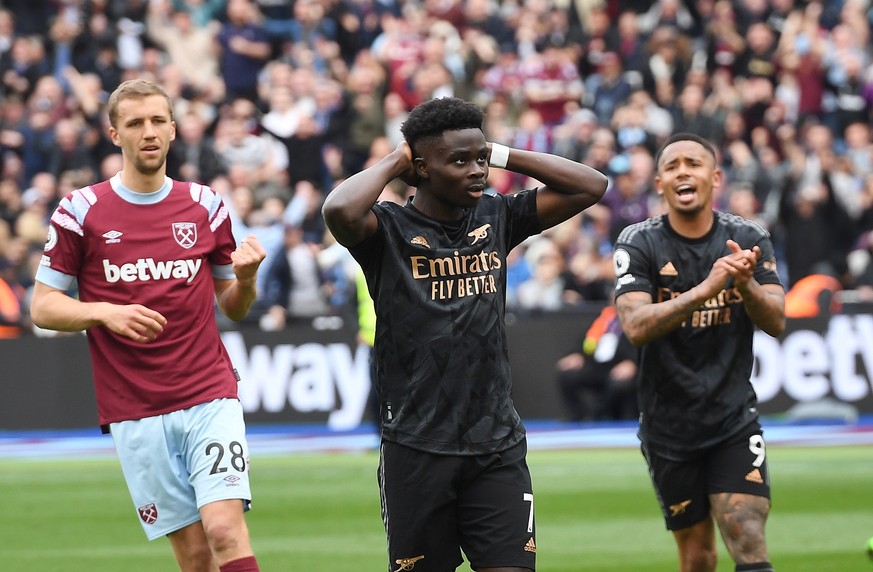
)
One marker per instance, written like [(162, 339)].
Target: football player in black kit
[(452, 470), (691, 286)]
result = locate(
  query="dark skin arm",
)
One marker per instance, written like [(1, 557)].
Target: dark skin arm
[(644, 321), (568, 189), (346, 209)]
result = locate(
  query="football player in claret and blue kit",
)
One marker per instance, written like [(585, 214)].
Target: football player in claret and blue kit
[(453, 474), (151, 257)]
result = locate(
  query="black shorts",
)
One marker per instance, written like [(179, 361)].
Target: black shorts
[(434, 506), (683, 487)]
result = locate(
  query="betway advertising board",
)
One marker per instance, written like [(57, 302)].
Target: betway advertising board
[(321, 376)]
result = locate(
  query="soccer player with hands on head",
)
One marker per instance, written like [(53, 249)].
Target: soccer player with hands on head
[(452, 473), (692, 286), (151, 257)]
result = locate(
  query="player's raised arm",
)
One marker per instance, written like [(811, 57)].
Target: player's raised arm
[(235, 297), (347, 211), (568, 187)]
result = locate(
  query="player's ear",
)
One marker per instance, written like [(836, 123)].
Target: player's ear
[(173, 131), (420, 167), (716, 179), (658, 188), (113, 135)]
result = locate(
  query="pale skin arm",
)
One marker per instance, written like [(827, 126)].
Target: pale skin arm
[(235, 297), (53, 309), (644, 321)]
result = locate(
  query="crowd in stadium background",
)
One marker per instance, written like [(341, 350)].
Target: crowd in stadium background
[(278, 100)]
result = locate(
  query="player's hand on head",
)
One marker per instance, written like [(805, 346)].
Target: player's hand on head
[(247, 257), (409, 176), (134, 321)]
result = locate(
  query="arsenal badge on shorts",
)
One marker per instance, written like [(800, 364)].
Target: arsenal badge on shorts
[(148, 513)]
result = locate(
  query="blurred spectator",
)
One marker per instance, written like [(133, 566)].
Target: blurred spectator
[(249, 217), (395, 114), (193, 156), (237, 145), (304, 212), (608, 88), (723, 41), (366, 99), (27, 63), (629, 125), (691, 116), (245, 48), (668, 62), (741, 200), (596, 30), (598, 381), (626, 201), (817, 232), (801, 51), (628, 42), (293, 284), (69, 152), (758, 58), (573, 138), (666, 13), (742, 166), (545, 289), (550, 81), (586, 245), (305, 151), (657, 121), (190, 47)]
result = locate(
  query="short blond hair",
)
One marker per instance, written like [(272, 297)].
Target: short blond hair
[(135, 88)]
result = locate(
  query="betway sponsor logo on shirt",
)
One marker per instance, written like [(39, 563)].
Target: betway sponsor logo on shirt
[(146, 269)]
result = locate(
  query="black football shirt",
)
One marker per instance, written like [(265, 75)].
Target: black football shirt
[(695, 388), (439, 290)]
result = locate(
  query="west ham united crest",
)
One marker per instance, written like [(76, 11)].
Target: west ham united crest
[(148, 513), (185, 234)]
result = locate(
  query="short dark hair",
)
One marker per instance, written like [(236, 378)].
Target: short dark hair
[(685, 136), (431, 118)]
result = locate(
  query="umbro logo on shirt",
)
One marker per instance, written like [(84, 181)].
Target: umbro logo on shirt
[(113, 236), (668, 270)]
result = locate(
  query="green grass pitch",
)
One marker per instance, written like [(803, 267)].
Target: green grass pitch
[(320, 512)]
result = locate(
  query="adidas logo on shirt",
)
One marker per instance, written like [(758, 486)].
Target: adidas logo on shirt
[(668, 270)]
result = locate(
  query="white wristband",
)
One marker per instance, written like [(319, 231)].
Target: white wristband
[(499, 156)]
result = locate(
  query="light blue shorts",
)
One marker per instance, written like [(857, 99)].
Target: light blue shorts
[(177, 462)]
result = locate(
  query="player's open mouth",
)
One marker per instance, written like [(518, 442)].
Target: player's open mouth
[(683, 190)]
